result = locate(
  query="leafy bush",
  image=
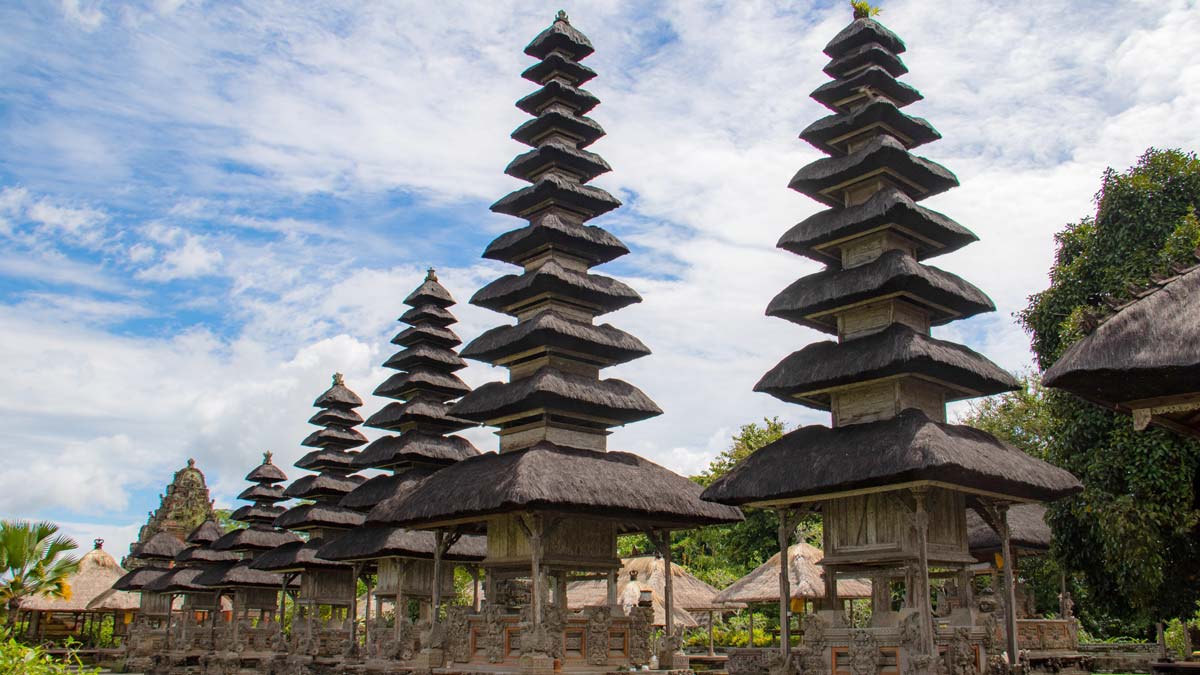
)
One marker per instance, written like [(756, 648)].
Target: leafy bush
[(19, 659)]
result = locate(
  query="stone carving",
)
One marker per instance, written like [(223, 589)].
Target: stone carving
[(812, 652), (405, 646), (554, 626), (599, 623), (778, 665), (184, 506), (640, 620), (864, 653), (962, 654), (746, 662), (458, 634), (493, 633)]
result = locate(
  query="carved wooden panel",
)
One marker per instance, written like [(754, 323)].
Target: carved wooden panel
[(584, 541), (327, 587), (865, 525)]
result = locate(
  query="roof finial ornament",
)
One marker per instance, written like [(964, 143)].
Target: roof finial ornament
[(338, 380), (267, 457), (98, 543), (431, 274), (562, 16), (191, 463)]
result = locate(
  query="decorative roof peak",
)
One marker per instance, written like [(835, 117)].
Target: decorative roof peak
[(431, 274), (97, 544), (267, 457), (191, 464), (562, 16), (338, 380)]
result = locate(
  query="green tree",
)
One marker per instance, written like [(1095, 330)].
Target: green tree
[(33, 562), (1132, 533)]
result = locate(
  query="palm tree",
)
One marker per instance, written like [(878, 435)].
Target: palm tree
[(33, 561)]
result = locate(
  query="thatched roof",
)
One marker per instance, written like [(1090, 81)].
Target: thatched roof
[(871, 455), (558, 92), (588, 242), (258, 492), (878, 110), (557, 331), (421, 411), (414, 446), (334, 437), (421, 378), (430, 292), (872, 78), (802, 376), (552, 188), (1027, 526), (238, 575), (806, 577), (582, 594), (558, 65), (427, 313), (338, 396), (554, 389), (328, 459), (518, 290), (881, 152), (437, 335), (586, 165), (586, 129), (294, 557), (689, 593), (862, 32), (561, 36), (97, 573), (812, 300), (114, 600), (204, 554), (1150, 348), (379, 488), (266, 472), (262, 513), (162, 546), (341, 416), (618, 485), (424, 354), (319, 515), (871, 53), (374, 541), (321, 485), (254, 538), (181, 580), (135, 580), (208, 531)]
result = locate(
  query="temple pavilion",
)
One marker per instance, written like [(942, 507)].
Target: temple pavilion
[(553, 500), (408, 564), (892, 480)]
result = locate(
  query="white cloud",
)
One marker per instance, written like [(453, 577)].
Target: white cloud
[(193, 258)]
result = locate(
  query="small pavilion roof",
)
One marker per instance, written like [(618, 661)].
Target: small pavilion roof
[(114, 600), (377, 540), (237, 575), (1028, 531), (918, 177), (870, 53), (908, 448), (162, 546), (253, 538), (415, 446), (430, 292), (688, 593), (135, 580), (319, 515), (97, 572), (206, 533), (201, 555), (378, 488), (861, 32), (338, 396), (266, 472), (294, 557), (516, 291), (555, 389), (805, 576), (557, 331), (553, 231), (560, 36)]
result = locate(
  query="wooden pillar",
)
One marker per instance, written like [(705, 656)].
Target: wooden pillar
[(287, 579), (750, 642), (475, 588), (367, 614), (612, 588), (439, 539), (353, 611), (533, 529), (786, 525), (669, 590), (711, 651), (401, 610), (1010, 587), (920, 591)]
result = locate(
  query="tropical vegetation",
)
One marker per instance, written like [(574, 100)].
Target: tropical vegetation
[(34, 561)]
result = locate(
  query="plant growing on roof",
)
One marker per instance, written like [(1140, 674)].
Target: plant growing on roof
[(864, 9), (33, 562)]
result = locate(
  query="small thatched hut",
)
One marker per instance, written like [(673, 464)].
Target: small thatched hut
[(51, 618), (649, 572), (806, 577), (1143, 359)]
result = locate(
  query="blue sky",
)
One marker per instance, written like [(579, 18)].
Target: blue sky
[(207, 208)]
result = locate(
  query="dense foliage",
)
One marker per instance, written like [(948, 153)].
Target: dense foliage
[(1132, 533), (19, 659), (34, 561)]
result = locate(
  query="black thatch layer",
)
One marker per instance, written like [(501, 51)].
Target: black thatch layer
[(256, 513), (415, 446), (1027, 530), (888, 207), (343, 416), (604, 343), (266, 472), (405, 385), (554, 190), (1148, 349), (295, 557), (430, 292), (334, 437), (877, 112), (257, 493), (338, 396), (425, 355), (430, 314), (919, 177), (238, 575), (253, 539), (558, 66), (869, 54), (557, 390), (908, 447), (616, 485), (434, 335), (364, 497), (420, 411), (162, 546), (946, 296), (208, 532), (873, 79), (200, 555), (181, 580), (552, 231), (137, 579), (581, 101), (861, 32), (319, 515), (513, 292), (896, 350), (375, 541), (327, 459), (561, 37), (559, 120), (557, 155), (322, 485)]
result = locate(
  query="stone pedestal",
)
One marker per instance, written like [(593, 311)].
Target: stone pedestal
[(676, 660), (536, 664), (428, 659)]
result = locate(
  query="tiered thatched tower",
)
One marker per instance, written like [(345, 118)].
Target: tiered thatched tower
[(553, 500), (892, 479)]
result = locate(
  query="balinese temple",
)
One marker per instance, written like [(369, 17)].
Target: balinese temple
[(155, 558), (328, 589), (402, 560), (255, 593), (891, 478), (553, 500), (1143, 357), (182, 507)]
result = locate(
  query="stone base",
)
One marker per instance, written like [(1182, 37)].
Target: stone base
[(428, 659), (536, 664), (673, 661)]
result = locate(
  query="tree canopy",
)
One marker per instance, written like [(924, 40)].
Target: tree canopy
[(1132, 533), (34, 561)]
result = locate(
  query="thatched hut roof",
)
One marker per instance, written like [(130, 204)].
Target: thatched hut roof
[(294, 557), (374, 541), (97, 573), (689, 594), (806, 577), (113, 600), (1027, 526), (906, 448), (237, 575), (618, 485), (554, 389), (135, 580), (414, 446), (162, 546), (385, 486), (208, 532), (1148, 349)]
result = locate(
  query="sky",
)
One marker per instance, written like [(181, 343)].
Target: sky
[(207, 208)]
